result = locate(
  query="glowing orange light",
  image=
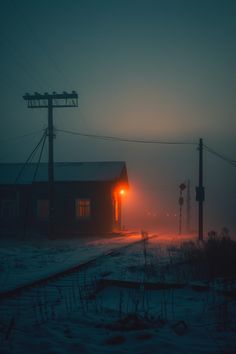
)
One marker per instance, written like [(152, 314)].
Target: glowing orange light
[(122, 192)]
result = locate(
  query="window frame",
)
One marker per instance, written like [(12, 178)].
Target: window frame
[(86, 209)]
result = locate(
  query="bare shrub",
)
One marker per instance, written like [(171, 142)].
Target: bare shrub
[(216, 257)]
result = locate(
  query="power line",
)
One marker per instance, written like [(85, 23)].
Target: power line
[(221, 156), (2, 141), (33, 180), (51, 101), (40, 156), (127, 140), (31, 156)]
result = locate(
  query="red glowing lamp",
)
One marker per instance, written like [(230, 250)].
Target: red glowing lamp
[(122, 192)]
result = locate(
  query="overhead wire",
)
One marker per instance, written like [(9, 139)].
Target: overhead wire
[(123, 139), (32, 154), (40, 156), (33, 180), (3, 141), (220, 156)]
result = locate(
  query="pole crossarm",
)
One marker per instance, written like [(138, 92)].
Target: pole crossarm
[(57, 100), (50, 101)]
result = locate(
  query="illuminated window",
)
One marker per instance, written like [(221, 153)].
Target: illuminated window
[(42, 209), (8, 208), (83, 208)]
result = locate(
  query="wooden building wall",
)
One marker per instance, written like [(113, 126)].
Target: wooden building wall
[(102, 219)]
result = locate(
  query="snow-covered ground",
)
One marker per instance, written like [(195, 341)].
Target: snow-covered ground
[(64, 318), (94, 331), (21, 262)]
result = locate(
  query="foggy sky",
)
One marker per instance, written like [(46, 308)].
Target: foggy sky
[(143, 69)]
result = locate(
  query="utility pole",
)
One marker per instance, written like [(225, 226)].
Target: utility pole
[(181, 202), (50, 101), (188, 203), (200, 192)]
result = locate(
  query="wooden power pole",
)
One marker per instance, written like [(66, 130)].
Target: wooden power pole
[(200, 192), (50, 101), (188, 206)]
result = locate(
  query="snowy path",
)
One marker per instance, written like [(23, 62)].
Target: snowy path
[(24, 262), (60, 318)]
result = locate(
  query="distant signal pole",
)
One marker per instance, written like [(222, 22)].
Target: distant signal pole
[(50, 101), (200, 192), (188, 204), (181, 202)]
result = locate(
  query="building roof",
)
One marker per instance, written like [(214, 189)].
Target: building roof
[(64, 171)]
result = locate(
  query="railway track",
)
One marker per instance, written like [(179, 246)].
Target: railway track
[(55, 295), (67, 271), (4, 295)]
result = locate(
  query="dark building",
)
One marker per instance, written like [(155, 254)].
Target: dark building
[(87, 197)]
